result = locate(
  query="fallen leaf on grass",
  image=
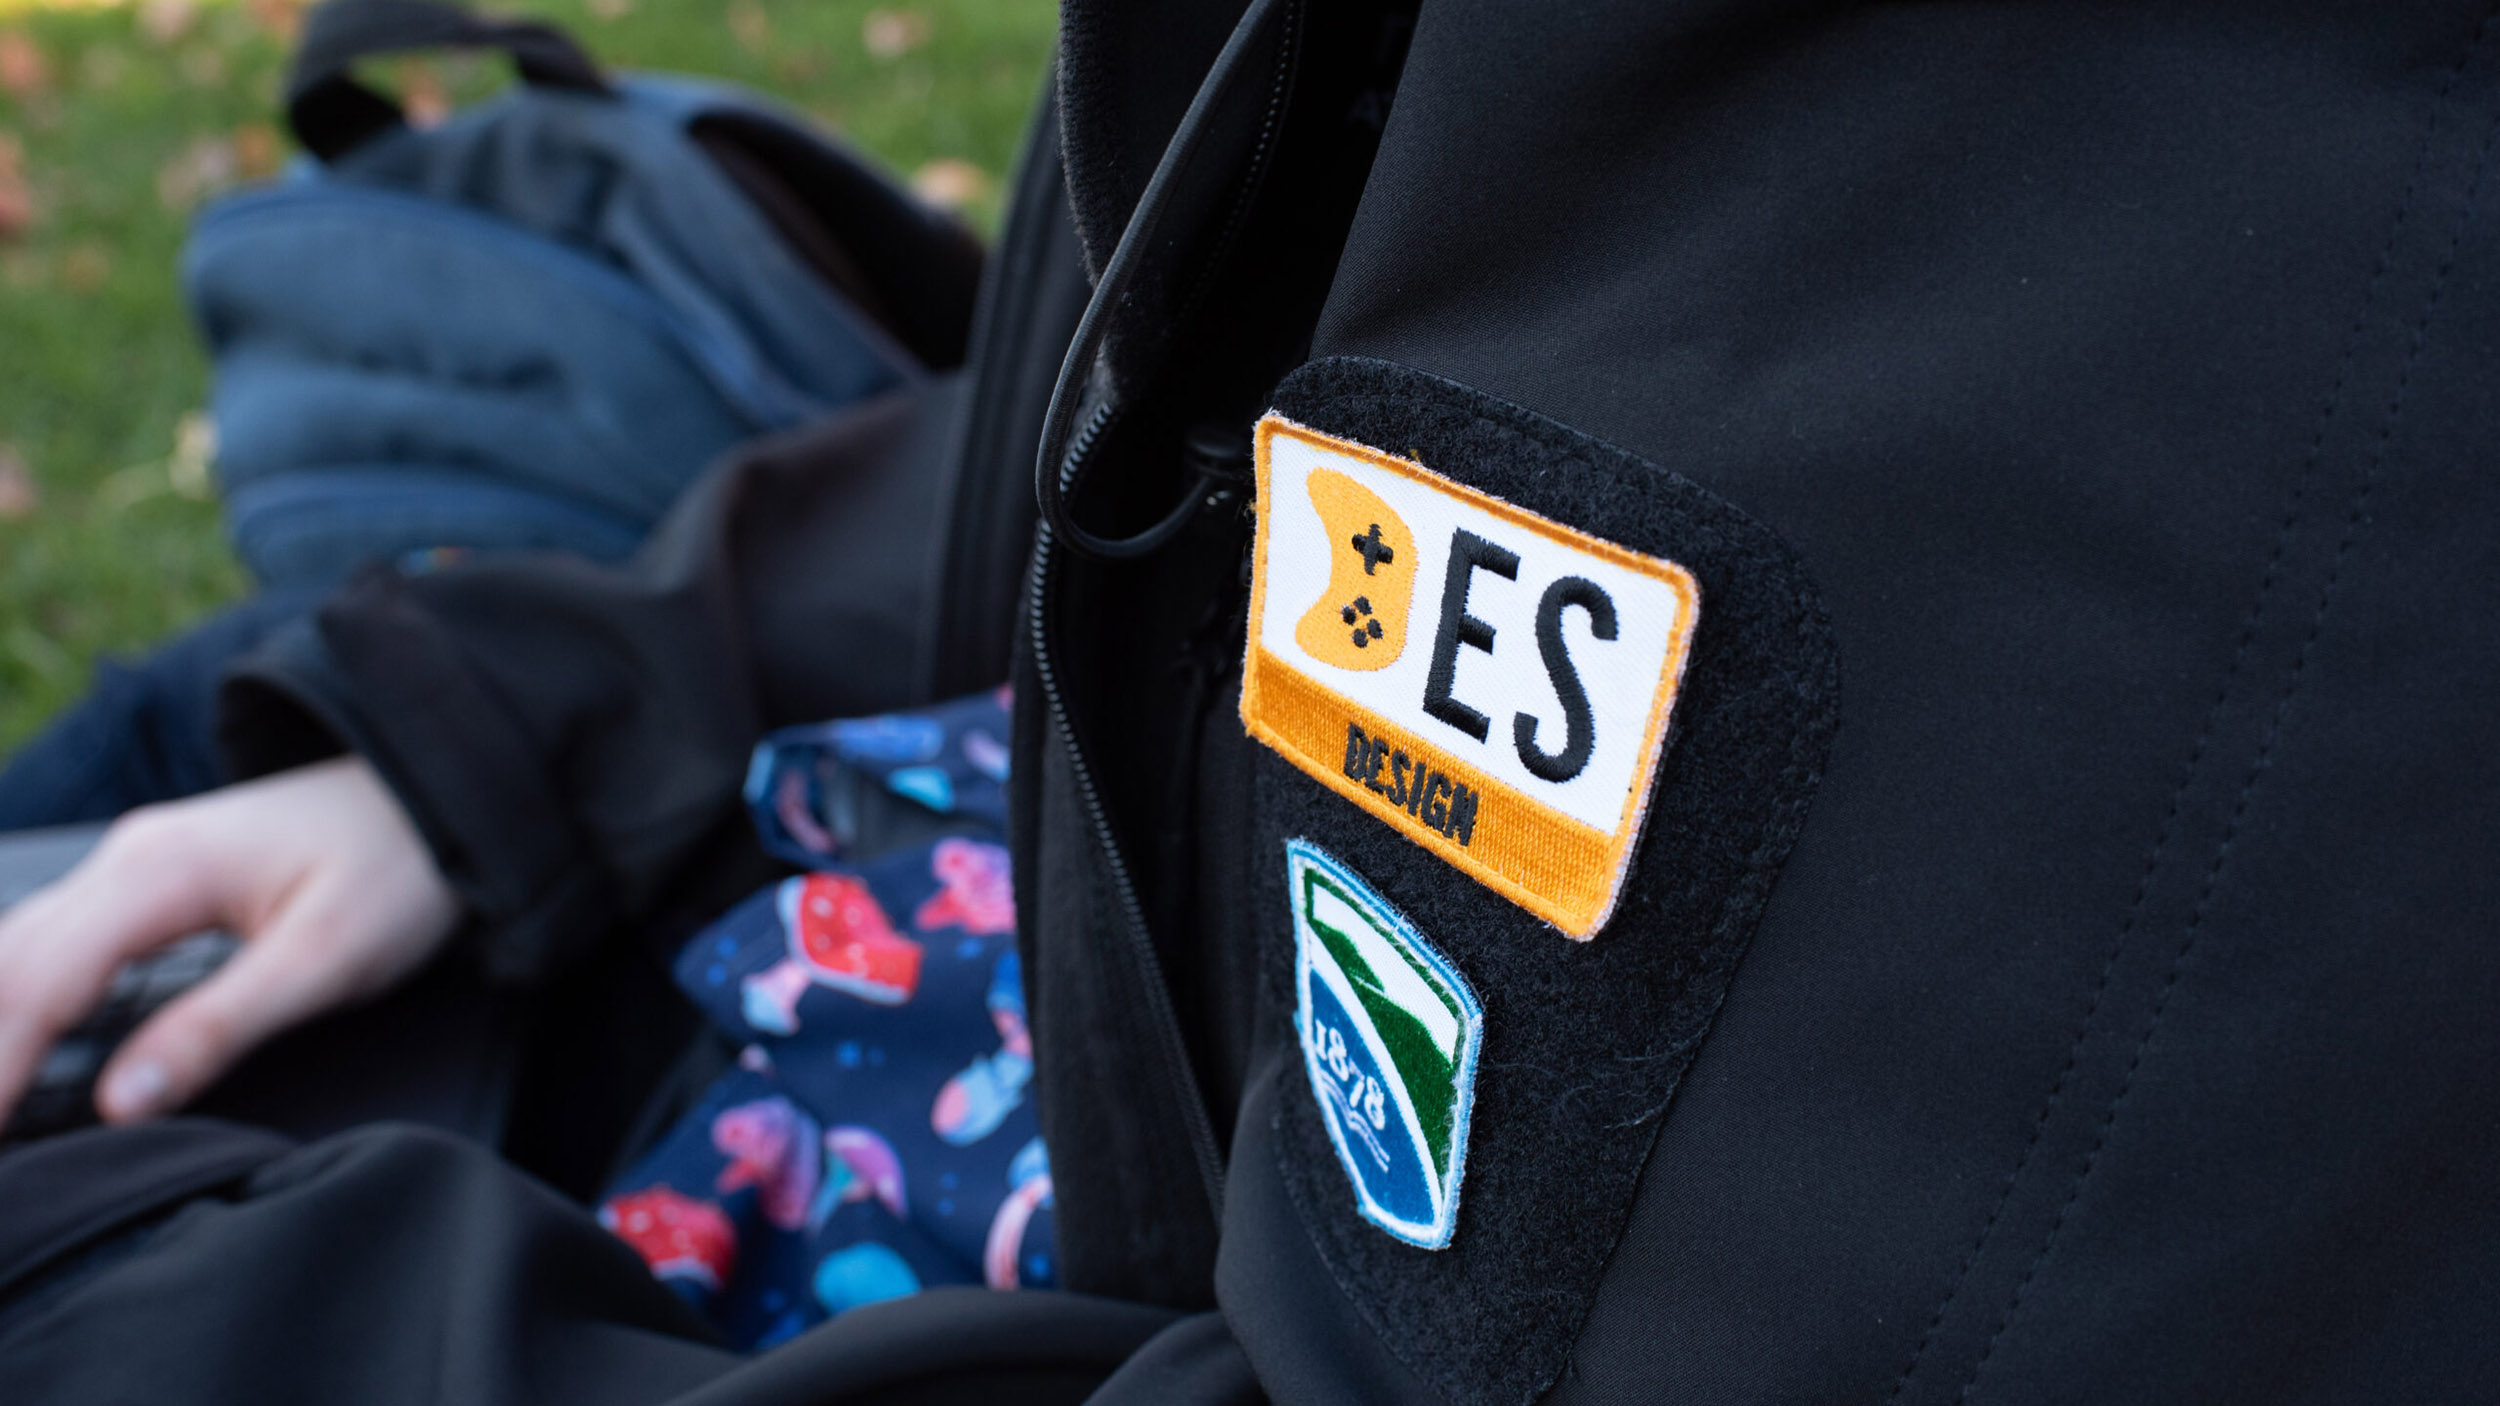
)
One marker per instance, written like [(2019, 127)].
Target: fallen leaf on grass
[(206, 167), (421, 93), (85, 268), (184, 471), (949, 183), (17, 199), (164, 21), (195, 451), (799, 70), (24, 75), (752, 28), (609, 9), (280, 19), (19, 497), (258, 151), (890, 34)]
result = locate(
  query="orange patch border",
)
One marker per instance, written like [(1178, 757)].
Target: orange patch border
[(1580, 921)]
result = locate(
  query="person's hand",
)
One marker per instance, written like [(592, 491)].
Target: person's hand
[(318, 871)]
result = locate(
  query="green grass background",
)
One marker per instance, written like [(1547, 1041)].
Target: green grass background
[(98, 365)]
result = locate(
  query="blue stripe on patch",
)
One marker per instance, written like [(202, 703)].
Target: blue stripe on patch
[(1390, 1034)]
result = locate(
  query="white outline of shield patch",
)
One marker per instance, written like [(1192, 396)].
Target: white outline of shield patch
[(1371, 1112)]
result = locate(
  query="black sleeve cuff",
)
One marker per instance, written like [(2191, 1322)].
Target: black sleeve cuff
[(373, 673)]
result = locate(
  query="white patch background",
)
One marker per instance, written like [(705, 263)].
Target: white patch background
[(1621, 675)]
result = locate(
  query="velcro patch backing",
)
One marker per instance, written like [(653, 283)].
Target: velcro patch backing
[(1584, 1044), (1493, 684)]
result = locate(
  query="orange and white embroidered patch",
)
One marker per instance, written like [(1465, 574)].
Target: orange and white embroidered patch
[(1493, 684)]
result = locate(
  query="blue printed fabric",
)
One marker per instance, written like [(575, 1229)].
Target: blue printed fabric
[(804, 784), (875, 1137)]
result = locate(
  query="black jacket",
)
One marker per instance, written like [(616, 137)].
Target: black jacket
[(2056, 965)]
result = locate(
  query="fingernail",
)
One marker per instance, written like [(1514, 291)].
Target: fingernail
[(135, 1092)]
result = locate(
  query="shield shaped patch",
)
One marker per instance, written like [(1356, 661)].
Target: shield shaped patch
[(1389, 1035)]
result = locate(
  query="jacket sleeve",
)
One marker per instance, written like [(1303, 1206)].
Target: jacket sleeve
[(569, 737)]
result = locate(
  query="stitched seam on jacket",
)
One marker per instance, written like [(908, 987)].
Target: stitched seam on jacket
[(2354, 518), (2170, 820)]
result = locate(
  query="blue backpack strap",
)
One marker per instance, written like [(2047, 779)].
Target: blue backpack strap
[(332, 114)]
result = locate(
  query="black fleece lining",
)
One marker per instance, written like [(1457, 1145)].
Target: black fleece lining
[(1126, 74), (1584, 1043)]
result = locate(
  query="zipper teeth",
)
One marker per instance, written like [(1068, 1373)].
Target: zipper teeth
[(1080, 448), (1158, 996)]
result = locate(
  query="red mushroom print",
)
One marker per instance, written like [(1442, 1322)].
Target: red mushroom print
[(838, 937), (680, 1237)]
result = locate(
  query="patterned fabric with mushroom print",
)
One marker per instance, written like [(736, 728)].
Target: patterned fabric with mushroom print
[(875, 1136)]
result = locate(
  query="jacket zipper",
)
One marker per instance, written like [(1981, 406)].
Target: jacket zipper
[(1166, 1021), (1080, 447)]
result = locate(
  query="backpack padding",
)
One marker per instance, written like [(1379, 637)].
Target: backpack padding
[(562, 301), (910, 268), (923, 266), (309, 528), (366, 327), (790, 216), (620, 182)]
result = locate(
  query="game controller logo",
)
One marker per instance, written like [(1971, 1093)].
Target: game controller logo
[(1359, 621), (1493, 684), (1389, 1037)]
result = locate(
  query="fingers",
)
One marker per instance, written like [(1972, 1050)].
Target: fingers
[(60, 947), (267, 986), (317, 870), (364, 907)]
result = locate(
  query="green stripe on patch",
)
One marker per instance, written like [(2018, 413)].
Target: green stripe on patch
[(1428, 1070), (1389, 1033)]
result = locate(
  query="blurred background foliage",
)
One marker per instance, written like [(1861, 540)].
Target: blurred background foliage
[(119, 118)]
